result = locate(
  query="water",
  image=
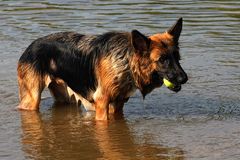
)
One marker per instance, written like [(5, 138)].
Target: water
[(200, 122)]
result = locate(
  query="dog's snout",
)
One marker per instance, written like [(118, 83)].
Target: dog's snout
[(171, 76), (183, 78)]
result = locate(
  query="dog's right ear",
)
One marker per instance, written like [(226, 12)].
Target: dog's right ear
[(140, 42), (176, 29)]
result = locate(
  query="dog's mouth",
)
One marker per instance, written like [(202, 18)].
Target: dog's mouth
[(176, 88), (159, 79), (171, 85)]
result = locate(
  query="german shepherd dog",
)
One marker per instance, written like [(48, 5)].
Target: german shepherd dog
[(99, 71)]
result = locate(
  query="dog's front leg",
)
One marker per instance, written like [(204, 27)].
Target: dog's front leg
[(101, 106), (116, 107)]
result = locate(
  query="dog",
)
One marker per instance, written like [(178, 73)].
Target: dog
[(99, 71)]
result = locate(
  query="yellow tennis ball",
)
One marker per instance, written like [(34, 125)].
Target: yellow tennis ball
[(168, 83)]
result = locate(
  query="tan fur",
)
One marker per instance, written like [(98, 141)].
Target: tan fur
[(142, 67), (156, 46), (101, 106), (31, 84), (109, 81), (30, 87)]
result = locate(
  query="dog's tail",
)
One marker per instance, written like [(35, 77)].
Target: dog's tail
[(39, 55)]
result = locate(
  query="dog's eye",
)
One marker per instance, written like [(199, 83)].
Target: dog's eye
[(164, 60)]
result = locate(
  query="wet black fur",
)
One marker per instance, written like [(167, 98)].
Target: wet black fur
[(75, 65)]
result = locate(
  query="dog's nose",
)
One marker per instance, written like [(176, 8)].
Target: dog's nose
[(183, 78)]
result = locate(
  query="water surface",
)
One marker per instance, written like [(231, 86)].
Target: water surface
[(200, 122)]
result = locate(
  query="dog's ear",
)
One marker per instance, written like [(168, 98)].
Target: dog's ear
[(140, 42), (176, 30)]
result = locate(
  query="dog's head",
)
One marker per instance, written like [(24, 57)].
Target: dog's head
[(158, 57)]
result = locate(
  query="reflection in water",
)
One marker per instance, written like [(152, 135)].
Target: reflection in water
[(65, 134)]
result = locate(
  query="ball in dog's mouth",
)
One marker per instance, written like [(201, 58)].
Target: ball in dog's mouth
[(168, 83), (171, 86)]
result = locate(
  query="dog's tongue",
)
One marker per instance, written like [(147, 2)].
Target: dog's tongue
[(168, 83)]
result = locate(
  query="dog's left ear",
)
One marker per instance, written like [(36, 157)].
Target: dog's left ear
[(176, 30), (140, 42)]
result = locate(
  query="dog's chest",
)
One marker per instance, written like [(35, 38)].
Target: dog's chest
[(123, 87)]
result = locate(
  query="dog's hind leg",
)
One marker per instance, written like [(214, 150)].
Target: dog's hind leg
[(31, 85), (61, 92)]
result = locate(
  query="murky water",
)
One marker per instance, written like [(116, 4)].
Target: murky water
[(200, 122)]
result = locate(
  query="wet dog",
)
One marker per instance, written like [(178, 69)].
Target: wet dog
[(99, 71)]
